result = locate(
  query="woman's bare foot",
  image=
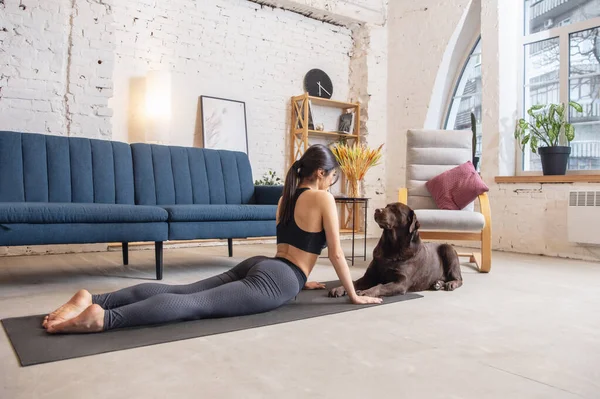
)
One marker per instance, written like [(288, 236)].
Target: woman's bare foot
[(80, 301), (88, 321)]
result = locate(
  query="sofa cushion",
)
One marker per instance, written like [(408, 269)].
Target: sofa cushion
[(430, 153), (435, 219), (267, 195), (213, 213), (456, 188), (167, 175), (82, 233), (44, 212), (47, 168)]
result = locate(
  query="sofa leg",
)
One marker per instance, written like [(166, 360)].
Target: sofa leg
[(158, 254), (125, 248), (230, 246)]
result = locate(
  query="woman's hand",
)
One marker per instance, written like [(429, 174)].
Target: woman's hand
[(366, 300), (313, 285)]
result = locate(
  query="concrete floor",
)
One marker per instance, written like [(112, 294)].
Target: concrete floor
[(529, 329)]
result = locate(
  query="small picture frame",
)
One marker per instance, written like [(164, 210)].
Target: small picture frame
[(224, 125), (346, 123)]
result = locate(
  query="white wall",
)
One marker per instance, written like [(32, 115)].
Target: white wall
[(56, 67), (419, 33), (235, 49), (341, 11)]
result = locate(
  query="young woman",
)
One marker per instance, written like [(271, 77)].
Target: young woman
[(307, 220)]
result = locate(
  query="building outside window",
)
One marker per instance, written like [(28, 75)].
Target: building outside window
[(561, 64)]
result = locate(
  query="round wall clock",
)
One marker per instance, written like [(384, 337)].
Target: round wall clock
[(318, 84)]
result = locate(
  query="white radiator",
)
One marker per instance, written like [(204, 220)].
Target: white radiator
[(583, 217)]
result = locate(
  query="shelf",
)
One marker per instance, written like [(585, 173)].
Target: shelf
[(548, 179), (328, 103), (330, 134)]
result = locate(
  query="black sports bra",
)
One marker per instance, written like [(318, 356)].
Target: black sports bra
[(293, 235)]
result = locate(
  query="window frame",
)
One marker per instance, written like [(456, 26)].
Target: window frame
[(563, 33), (465, 61)]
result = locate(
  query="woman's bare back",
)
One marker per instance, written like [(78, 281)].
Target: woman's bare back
[(308, 215)]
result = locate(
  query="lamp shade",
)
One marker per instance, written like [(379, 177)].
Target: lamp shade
[(158, 106)]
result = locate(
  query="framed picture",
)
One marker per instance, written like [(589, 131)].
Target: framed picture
[(346, 123), (224, 124)]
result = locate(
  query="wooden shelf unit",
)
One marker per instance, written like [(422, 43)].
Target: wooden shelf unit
[(300, 132)]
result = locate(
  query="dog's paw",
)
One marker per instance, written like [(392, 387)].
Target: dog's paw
[(452, 285), (370, 292), (337, 292), (440, 284)]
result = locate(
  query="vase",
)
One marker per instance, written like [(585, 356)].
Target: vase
[(353, 188)]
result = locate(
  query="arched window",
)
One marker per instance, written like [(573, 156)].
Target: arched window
[(467, 98)]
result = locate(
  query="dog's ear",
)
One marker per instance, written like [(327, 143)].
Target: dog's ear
[(414, 223)]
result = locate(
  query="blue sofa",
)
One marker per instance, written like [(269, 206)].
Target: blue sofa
[(69, 190)]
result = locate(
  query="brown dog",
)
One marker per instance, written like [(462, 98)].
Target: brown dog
[(402, 263)]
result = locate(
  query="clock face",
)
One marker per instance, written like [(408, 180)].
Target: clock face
[(318, 84)]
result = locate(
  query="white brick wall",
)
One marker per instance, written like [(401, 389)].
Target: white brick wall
[(532, 218), (33, 54), (235, 49), (49, 71)]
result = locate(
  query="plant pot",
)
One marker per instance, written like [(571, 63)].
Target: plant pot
[(554, 159)]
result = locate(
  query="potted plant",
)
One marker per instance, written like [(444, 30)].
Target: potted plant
[(548, 129), (269, 179), (474, 140)]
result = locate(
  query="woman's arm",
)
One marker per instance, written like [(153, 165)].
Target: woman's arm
[(336, 254)]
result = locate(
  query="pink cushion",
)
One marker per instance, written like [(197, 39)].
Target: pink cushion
[(456, 188)]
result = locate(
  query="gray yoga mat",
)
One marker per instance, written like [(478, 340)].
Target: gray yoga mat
[(34, 346)]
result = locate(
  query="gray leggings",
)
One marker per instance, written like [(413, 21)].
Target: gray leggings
[(256, 285)]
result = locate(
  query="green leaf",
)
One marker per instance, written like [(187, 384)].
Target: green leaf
[(536, 107), (577, 106), (525, 139), (533, 144), (561, 110), (569, 132), (552, 135)]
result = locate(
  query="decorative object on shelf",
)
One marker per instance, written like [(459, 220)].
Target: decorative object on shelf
[(270, 178), (302, 128), (355, 160), (548, 126), (223, 124), (318, 84), (346, 122), (474, 142), (320, 127)]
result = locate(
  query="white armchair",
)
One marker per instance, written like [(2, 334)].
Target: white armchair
[(429, 153)]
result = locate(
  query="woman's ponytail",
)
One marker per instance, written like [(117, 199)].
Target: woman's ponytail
[(289, 189)]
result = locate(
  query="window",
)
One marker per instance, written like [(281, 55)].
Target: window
[(467, 98), (562, 64)]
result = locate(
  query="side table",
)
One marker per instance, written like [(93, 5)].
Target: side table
[(355, 201)]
